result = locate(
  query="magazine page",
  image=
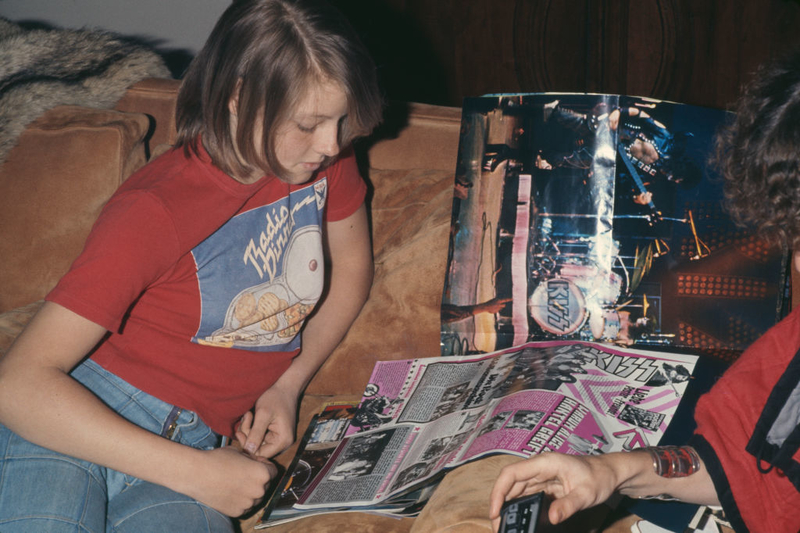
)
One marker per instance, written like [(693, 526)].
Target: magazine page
[(421, 417), (317, 445), (599, 218), (570, 397)]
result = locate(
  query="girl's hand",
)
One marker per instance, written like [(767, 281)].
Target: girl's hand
[(230, 481), (271, 429), (575, 483)]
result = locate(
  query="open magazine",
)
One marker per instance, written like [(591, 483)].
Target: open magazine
[(599, 218), (421, 417)]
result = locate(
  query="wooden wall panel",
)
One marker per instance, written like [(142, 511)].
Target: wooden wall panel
[(691, 51), (553, 45)]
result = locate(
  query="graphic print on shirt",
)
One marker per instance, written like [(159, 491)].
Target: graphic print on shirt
[(261, 273)]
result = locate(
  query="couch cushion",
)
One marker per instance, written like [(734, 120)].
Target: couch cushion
[(411, 211), (416, 136), (13, 322), (461, 503), (54, 183)]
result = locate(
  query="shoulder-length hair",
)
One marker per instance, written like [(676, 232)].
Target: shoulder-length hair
[(758, 153), (266, 54)]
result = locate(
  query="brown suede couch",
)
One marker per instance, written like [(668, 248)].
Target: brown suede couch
[(67, 164)]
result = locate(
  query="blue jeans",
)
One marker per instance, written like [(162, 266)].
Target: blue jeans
[(43, 491)]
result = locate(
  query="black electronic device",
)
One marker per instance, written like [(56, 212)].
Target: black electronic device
[(526, 514)]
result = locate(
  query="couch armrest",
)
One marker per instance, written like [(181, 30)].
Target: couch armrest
[(55, 181), (154, 97)]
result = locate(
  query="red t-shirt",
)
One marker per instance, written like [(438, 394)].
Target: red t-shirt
[(735, 424), (204, 281)]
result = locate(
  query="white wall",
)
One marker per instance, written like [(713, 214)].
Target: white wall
[(167, 24)]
